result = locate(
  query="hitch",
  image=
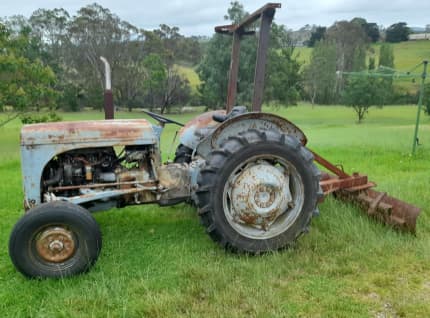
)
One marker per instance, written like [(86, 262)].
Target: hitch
[(356, 188)]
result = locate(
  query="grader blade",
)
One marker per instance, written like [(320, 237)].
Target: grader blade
[(356, 188)]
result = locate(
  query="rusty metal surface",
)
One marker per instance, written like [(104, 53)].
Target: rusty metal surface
[(201, 121), (269, 7), (175, 181), (263, 196), (233, 74), (334, 184), (328, 165), (356, 188), (55, 244), (260, 194), (100, 185), (42, 142), (197, 128), (384, 208), (87, 132), (108, 104), (260, 66), (266, 13)]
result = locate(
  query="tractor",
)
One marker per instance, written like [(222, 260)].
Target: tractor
[(254, 182)]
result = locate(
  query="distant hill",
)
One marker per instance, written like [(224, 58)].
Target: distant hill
[(406, 56)]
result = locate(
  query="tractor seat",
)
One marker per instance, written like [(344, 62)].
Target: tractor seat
[(236, 111)]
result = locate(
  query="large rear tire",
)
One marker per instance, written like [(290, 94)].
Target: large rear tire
[(258, 192), (55, 239)]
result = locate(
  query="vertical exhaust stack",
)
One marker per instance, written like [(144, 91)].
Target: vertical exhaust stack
[(108, 96)]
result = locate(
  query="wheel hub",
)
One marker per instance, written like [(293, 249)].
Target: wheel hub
[(55, 244), (260, 194)]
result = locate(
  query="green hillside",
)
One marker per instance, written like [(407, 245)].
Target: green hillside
[(406, 54), (189, 73)]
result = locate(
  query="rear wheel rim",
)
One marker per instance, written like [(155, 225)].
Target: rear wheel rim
[(258, 220)]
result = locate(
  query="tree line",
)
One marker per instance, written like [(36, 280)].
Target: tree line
[(51, 59)]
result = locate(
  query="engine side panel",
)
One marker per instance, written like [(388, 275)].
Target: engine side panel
[(42, 142), (89, 132)]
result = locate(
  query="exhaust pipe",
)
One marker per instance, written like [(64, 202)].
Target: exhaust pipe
[(108, 96)]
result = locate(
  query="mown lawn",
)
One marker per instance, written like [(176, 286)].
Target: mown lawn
[(158, 262)]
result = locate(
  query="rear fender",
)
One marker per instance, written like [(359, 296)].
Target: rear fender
[(242, 123), (198, 128)]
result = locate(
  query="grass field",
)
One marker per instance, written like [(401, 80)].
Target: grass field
[(159, 262)]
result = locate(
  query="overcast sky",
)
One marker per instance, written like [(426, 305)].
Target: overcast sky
[(197, 17)]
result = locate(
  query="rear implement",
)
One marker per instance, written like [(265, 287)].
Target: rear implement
[(356, 188)]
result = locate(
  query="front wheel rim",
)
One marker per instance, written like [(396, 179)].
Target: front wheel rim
[(55, 244)]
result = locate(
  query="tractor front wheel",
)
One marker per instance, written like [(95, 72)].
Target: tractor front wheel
[(55, 239)]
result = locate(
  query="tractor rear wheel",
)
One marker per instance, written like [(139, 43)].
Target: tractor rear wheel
[(258, 192), (55, 239)]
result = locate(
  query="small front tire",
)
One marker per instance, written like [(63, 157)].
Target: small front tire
[(54, 240)]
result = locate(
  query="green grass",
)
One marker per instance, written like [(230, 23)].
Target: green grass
[(159, 262)]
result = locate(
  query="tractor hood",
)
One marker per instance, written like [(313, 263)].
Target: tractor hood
[(137, 131)]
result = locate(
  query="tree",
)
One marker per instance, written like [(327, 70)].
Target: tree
[(283, 78), (95, 32), (347, 37), (350, 42), (370, 29), (317, 35), (361, 93), (320, 74), (386, 55), (386, 65), (213, 70), (397, 32), (24, 83)]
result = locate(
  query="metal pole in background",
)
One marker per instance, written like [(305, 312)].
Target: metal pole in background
[(108, 96), (420, 102)]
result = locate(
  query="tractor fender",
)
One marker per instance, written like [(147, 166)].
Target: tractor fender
[(241, 123), (198, 128)]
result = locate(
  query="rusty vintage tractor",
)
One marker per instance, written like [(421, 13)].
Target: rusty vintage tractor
[(255, 184)]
